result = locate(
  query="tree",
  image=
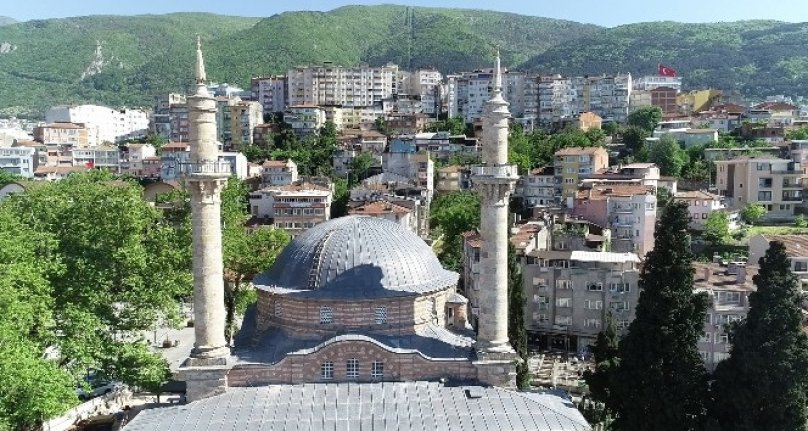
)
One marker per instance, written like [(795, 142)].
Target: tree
[(797, 134), (660, 382), (453, 214), (634, 137), (663, 196), (646, 118), (7, 178), (123, 266), (752, 213), (763, 384), (716, 228), (800, 221), (611, 128), (668, 155), (516, 318), (360, 166), (606, 357), (142, 368), (33, 388)]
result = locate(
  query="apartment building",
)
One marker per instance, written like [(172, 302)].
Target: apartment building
[(556, 99), (332, 85), (62, 135), (178, 122), (699, 205), (244, 117), (571, 293), (796, 249), (293, 208), (305, 119), (450, 179), (775, 183), (628, 210), (418, 168), (574, 164), (279, 173), (646, 174), (538, 188), (134, 158), (424, 86), (20, 161), (270, 92), (728, 289), (387, 210), (665, 99), (161, 119), (101, 157), (109, 125), (469, 91), (651, 82)]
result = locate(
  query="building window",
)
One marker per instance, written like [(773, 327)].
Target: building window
[(564, 302), (708, 318), (594, 287), (564, 284), (764, 196), (593, 305), (540, 317), (381, 315), (278, 309), (327, 371), (800, 266), (592, 323), (326, 315), (707, 337), (377, 370), (723, 339), (352, 368), (619, 306), (563, 320)]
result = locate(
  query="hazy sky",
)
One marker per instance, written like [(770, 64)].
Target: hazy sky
[(603, 12)]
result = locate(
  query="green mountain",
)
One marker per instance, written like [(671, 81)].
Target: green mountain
[(141, 56), (120, 60), (756, 58), (5, 20)]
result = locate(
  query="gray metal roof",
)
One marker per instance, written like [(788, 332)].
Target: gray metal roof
[(356, 256), (367, 407)]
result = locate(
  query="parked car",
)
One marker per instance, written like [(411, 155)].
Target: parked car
[(94, 385)]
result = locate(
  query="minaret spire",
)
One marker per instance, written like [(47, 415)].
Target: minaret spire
[(498, 76), (201, 78)]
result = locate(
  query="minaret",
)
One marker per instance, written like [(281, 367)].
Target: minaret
[(206, 177), (494, 181)]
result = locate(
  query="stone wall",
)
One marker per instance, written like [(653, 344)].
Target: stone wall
[(404, 314), (306, 368)]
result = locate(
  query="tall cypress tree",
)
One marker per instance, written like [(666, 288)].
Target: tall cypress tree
[(660, 383), (606, 355), (516, 318), (763, 384)]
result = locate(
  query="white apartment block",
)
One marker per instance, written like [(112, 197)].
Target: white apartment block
[(699, 205), (270, 92), (537, 188), (134, 157), (606, 96), (21, 161), (651, 82), (425, 86), (305, 119), (110, 125), (333, 85), (279, 173), (166, 106), (104, 156), (293, 208)]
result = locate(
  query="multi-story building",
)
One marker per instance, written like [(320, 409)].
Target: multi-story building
[(224, 123), (270, 92), (699, 205), (293, 208), (161, 120), (665, 99), (607, 96), (574, 164), (101, 157), (279, 173), (450, 179), (728, 290), (388, 211), (109, 125), (628, 210), (244, 117), (557, 99), (424, 86), (20, 161), (416, 167), (775, 183), (63, 136), (135, 156), (796, 249), (178, 121), (538, 188), (646, 174), (333, 85), (639, 99), (571, 293), (651, 82), (305, 119)]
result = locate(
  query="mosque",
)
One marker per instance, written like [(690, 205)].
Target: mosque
[(357, 325)]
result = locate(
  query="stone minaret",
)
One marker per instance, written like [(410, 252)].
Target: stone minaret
[(494, 181), (205, 372), (205, 178)]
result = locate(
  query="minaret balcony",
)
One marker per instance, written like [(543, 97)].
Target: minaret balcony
[(205, 169), (500, 171)]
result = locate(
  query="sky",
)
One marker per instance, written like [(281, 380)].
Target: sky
[(608, 13)]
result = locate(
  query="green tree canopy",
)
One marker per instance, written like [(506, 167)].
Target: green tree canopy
[(634, 137), (453, 214), (763, 385), (661, 379), (606, 357), (646, 118), (668, 155), (516, 317), (716, 228), (752, 213)]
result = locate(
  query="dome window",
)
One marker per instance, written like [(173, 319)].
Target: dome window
[(377, 370), (327, 371), (278, 309), (352, 368), (381, 315), (326, 315)]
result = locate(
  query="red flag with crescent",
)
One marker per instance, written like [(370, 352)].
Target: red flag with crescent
[(666, 71)]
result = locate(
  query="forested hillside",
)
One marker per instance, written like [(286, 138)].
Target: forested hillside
[(127, 60)]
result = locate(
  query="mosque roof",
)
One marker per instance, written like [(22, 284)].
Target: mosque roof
[(356, 257)]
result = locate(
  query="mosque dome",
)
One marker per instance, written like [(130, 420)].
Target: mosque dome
[(356, 256)]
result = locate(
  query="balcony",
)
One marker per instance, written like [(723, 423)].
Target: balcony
[(203, 169)]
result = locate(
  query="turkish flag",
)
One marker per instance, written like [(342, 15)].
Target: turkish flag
[(90, 164), (666, 71)]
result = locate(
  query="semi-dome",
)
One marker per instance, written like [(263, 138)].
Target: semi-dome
[(356, 255)]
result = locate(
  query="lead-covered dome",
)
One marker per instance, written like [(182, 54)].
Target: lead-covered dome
[(356, 256)]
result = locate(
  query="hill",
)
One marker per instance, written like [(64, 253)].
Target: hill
[(5, 20), (757, 58), (126, 60), (59, 60)]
